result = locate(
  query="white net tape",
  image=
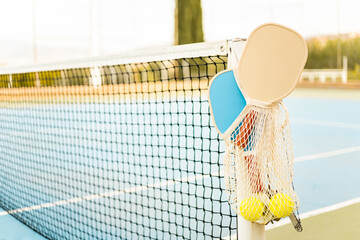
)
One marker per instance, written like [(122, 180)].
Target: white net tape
[(258, 164)]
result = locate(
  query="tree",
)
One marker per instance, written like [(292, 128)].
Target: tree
[(188, 22)]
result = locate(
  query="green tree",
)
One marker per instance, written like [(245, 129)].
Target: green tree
[(188, 22), (351, 49), (324, 55), (314, 54)]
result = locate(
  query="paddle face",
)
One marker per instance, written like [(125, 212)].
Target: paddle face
[(271, 63), (226, 100)]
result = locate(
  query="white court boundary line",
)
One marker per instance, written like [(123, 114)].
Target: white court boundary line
[(316, 212), (162, 184), (110, 194), (327, 154)]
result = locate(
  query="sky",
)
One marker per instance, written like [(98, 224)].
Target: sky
[(51, 30)]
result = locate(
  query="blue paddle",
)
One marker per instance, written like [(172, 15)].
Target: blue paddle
[(226, 100)]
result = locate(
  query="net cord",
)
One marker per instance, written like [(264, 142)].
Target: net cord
[(136, 56)]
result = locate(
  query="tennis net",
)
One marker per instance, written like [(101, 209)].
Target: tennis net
[(120, 147)]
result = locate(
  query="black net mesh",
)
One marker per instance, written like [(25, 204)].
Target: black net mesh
[(114, 152)]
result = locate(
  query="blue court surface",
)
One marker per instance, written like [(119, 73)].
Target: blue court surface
[(12, 229), (326, 136)]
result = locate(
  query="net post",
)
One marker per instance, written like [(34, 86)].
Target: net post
[(245, 230), (249, 231)]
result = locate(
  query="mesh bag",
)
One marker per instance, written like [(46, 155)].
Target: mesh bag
[(258, 164)]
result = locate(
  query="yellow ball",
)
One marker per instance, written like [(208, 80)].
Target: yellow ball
[(281, 205), (251, 209)]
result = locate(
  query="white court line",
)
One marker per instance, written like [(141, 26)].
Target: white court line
[(163, 183), (111, 194), (327, 154), (325, 123), (316, 212)]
